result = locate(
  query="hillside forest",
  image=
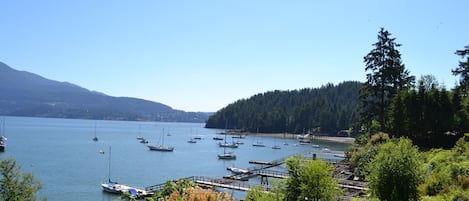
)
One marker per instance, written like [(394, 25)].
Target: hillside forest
[(391, 100)]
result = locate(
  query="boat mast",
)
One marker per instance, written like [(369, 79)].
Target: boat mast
[(109, 173)]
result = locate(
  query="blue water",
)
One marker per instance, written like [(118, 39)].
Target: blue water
[(63, 157)]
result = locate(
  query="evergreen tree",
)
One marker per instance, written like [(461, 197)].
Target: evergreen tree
[(463, 70), (387, 75)]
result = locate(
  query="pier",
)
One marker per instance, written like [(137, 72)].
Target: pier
[(240, 182), (210, 182)]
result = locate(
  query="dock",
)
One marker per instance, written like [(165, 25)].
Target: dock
[(239, 181), (210, 182)]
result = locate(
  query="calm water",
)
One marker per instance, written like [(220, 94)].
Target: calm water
[(63, 157)]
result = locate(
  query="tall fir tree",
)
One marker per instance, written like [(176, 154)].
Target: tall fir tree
[(463, 71), (385, 78)]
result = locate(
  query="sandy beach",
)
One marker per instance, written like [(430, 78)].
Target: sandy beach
[(347, 140)]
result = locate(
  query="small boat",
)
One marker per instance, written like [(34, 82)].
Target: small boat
[(276, 147), (237, 170), (197, 137), (192, 140), (239, 136), (140, 138), (95, 137), (229, 145), (144, 141), (116, 188), (258, 144), (315, 146), (217, 138), (161, 147), (239, 142), (227, 156)]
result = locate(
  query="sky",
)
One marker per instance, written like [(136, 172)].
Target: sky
[(201, 55)]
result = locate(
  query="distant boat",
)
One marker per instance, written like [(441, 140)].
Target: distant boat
[(144, 141), (161, 147), (192, 140), (239, 136), (276, 147), (258, 144), (95, 137), (229, 145), (227, 155), (217, 138)]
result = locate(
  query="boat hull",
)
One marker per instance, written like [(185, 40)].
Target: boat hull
[(227, 157), (161, 148)]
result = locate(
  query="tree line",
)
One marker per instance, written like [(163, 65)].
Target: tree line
[(327, 109)]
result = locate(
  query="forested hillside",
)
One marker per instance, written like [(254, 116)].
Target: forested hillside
[(27, 94), (327, 109)]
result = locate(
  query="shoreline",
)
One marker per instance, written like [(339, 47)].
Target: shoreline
[(345, 140)]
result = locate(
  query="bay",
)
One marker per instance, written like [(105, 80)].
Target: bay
[(68, 163)]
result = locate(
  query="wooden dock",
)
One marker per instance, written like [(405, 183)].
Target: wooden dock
[(204, 181), (240, 181)]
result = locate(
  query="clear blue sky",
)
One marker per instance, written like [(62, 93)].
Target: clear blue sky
[(198, 55)]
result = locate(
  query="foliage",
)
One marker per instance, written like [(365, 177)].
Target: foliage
[(387, 76), (187, 190), (463, 70), (310, 179), (258, 194), (15, 185), (360, 155), (395, 172), (327, 109), (447, 177), (434, 117)]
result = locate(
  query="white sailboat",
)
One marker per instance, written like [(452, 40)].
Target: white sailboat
[(161, 147), (227, 155), (258, 143), (116, 188)]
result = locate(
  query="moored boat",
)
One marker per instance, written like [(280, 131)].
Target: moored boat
[(161, 148)]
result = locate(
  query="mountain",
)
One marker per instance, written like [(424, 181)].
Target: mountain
[(328, 110), (27, 94)]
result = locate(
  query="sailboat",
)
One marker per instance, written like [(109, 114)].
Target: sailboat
[(116, 188), (227, 155), (229, 145), (161, 147), (258, 143), (192, 140), (95, 137)]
